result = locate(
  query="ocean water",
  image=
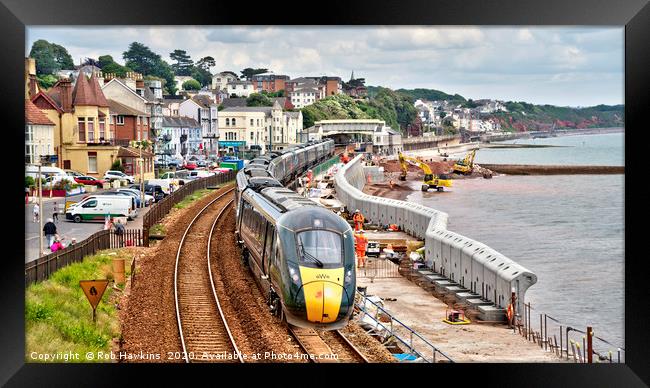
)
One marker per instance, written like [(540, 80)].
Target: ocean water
[(605, 149), (567, 229)]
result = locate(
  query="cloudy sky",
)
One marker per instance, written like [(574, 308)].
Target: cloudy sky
[(566, 66)]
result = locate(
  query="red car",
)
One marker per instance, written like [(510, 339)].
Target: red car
[(88, 180), (190, 165)]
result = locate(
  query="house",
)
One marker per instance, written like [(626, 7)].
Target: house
[(39, 135), (269, 82), (240, 88), (221, 80), (171, 105), (127, 123), (180, 136), (204, 110), (303, 96), (259, 128), (284, 102), (80, 117)]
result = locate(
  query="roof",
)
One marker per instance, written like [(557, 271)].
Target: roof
[(203, 100), (35, 116), (240, 83), (130, 152), (305, 90), (83, 93), (264, 109), (121, 109), (148, 95), (293, 114), (185, 122), (241, 102)]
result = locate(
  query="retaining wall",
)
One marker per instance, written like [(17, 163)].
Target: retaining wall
[(470, 263)]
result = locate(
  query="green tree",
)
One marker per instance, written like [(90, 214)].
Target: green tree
[(108, 65), (46, 81), (248, 72), (258, 99), (117, 165), (191, 84), (203, 76), (142, 60), (50, 57), (184, 63), (206, 63)]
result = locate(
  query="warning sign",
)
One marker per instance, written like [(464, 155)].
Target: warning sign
[(94, 289)]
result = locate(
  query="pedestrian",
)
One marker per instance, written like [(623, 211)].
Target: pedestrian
[(49, 229), (358, 219), (119, 228), (36, 212), (55, 214), (56, 246), (361, 243)]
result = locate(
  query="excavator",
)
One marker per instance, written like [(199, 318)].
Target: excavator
[(466, 165), (430, 180)]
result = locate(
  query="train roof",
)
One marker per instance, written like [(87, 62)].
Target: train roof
[(257, 183), (255, 171), (286, 199)]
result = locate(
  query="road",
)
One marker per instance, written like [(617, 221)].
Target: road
[(65, 228)]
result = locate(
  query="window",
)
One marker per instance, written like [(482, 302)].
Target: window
[(227, 121), (91, 203), (120, 120), (92, 161), (252, 136), (91, 129), (81, 123), (252, 122), (102, 129), (233, 122), (258, 122), (320, 246)]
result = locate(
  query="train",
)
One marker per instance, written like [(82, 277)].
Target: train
[(300, 253)]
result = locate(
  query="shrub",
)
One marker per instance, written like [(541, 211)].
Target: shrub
[(117, 165)]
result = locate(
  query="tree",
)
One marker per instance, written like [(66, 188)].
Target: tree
[(91, 62), (108, 65), (203, 76), (50, 57), (257, 99), (206, 63), (248, 72), (191, 84), (117, 165), (46, 81), (142, 60), (183, 65)]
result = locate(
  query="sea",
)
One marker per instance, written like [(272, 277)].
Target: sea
[(567, 229)]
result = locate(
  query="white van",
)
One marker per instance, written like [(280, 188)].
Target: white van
[(96, 207), (31, 170)]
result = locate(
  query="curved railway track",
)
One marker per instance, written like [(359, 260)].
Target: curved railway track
[(319, 351), (203, 329)]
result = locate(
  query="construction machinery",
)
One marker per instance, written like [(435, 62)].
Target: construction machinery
[(430, 179), (466, 165)]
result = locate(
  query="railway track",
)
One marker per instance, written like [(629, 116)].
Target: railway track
[(204, 332), (320, 352)]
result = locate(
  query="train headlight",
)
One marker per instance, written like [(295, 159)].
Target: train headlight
[(348, 277), (294, 275)]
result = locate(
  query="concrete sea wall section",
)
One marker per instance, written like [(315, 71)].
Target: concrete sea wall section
[(470, 263)]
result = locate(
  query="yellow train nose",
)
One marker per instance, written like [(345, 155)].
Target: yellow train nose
[(322, 301)]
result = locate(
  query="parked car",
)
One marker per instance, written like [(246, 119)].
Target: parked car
[(90, 181), (148, 199), (73, 173), (154, 190), (54, 179), (190, 165), (373, 249), (112, 175), (125, 193), (173, 164), (201, 163)]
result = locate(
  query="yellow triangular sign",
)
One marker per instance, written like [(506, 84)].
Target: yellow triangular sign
[(94, 289)]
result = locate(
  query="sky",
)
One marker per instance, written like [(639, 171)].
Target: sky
[(564, 66)]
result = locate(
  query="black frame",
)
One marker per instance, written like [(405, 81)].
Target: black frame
[(633, 14)]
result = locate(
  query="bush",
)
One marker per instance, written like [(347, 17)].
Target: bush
[(29, 181), (117, 165), (191, 84)]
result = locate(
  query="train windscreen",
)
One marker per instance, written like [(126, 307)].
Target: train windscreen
[(320, 247)]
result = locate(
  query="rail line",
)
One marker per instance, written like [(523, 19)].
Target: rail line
[(201, 323), (320, 352), (351, 346)]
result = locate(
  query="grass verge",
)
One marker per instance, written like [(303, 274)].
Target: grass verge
[(58, 317), (191, 198), (157, 230)]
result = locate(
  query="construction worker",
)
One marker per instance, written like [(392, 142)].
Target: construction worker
[(358, 220), (391, 183), (361, 243)]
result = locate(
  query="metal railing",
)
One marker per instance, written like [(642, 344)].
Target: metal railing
[(160, 209), (378, 268), (414, 342), (43, 267)]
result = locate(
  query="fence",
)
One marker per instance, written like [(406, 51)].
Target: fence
[(565, 341), (378, 268), (160, 209), (43, 267), (386, 325)]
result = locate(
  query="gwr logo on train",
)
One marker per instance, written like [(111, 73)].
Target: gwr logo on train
[(322, 276)]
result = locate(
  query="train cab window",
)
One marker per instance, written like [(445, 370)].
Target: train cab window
[(320, 247)]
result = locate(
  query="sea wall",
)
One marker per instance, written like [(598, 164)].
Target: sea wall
[(470, 263)]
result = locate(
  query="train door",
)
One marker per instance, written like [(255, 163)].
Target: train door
[(268, 248)]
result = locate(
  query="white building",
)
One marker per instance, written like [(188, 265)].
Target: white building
[(220, 80), (171, 141), (302, 97), (180, 79), (204, 111), (39, 134), (259, 128), (240, 88)]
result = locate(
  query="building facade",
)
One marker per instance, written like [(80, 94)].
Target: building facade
[(269, 82), (240, 88), (180, 136), (220, 80), (202, 109), (39, 135)]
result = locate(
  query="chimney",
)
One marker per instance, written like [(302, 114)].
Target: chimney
[(66, 94), (30, 66)]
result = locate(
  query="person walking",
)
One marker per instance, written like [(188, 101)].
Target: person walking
[(36, 212), (55, 212), (358, 219), (361, 243), (49, 229)]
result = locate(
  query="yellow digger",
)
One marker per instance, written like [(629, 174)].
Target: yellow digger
[(466, 165), (430, 180)]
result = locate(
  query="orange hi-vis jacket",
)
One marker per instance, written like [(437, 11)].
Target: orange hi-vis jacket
[(361, 242), (358, 217)]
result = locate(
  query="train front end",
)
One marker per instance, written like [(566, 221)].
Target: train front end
[(319, 275)]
